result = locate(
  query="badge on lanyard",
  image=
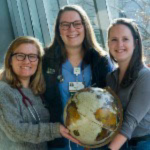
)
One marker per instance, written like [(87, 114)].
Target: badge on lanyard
[(75, 86)]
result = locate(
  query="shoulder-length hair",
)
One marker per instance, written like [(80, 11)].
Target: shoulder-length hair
[(37, 81), (136, 59), (89, 40)]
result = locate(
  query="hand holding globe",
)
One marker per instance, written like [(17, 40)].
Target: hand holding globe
[(93, 116)]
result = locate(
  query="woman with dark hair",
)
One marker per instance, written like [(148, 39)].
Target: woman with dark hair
[(24, 121), (73, 58), (131, 82)]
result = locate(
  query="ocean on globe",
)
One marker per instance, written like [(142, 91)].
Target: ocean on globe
[(93, 116)]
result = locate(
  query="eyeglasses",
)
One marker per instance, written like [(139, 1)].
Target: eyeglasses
[(76, 24), (22, 57)]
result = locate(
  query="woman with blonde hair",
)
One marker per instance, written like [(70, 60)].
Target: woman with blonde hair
[(24, 121)]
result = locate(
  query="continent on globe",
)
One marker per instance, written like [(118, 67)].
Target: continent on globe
[(93, 116)]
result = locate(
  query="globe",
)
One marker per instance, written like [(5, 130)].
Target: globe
[(93, 116)]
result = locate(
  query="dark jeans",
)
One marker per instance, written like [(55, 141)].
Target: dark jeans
[(71, 144), (141, 145), (100, 148)]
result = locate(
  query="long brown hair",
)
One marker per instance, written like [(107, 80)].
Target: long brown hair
[(37, 81), (89, 40), (137, 57)]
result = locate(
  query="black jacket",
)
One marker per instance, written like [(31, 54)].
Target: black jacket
[(100, 66)]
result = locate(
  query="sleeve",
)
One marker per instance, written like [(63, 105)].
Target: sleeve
[(108, 79), (101, 69), (107, 64), (12, 125), (139, 105)]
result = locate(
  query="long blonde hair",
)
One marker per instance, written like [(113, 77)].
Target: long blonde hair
[(37, 83)]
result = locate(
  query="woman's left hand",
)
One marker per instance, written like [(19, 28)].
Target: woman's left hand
[(65, 133)]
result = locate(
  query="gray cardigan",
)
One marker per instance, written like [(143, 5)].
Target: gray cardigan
[(18, 129), (136, 103)]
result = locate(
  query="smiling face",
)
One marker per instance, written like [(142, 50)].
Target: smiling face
[(72, 37), (121, 43), (24, 69)]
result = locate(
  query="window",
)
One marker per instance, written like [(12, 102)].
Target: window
[(37, 17)]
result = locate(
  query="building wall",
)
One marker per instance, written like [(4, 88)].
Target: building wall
[(35, 18), (6, 31)]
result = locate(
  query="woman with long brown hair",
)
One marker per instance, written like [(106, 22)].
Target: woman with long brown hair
[(131, 82), (73, 58)]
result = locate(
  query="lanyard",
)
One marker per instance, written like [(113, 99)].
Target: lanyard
[(82, 72), (77, 71), (25, 99)]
